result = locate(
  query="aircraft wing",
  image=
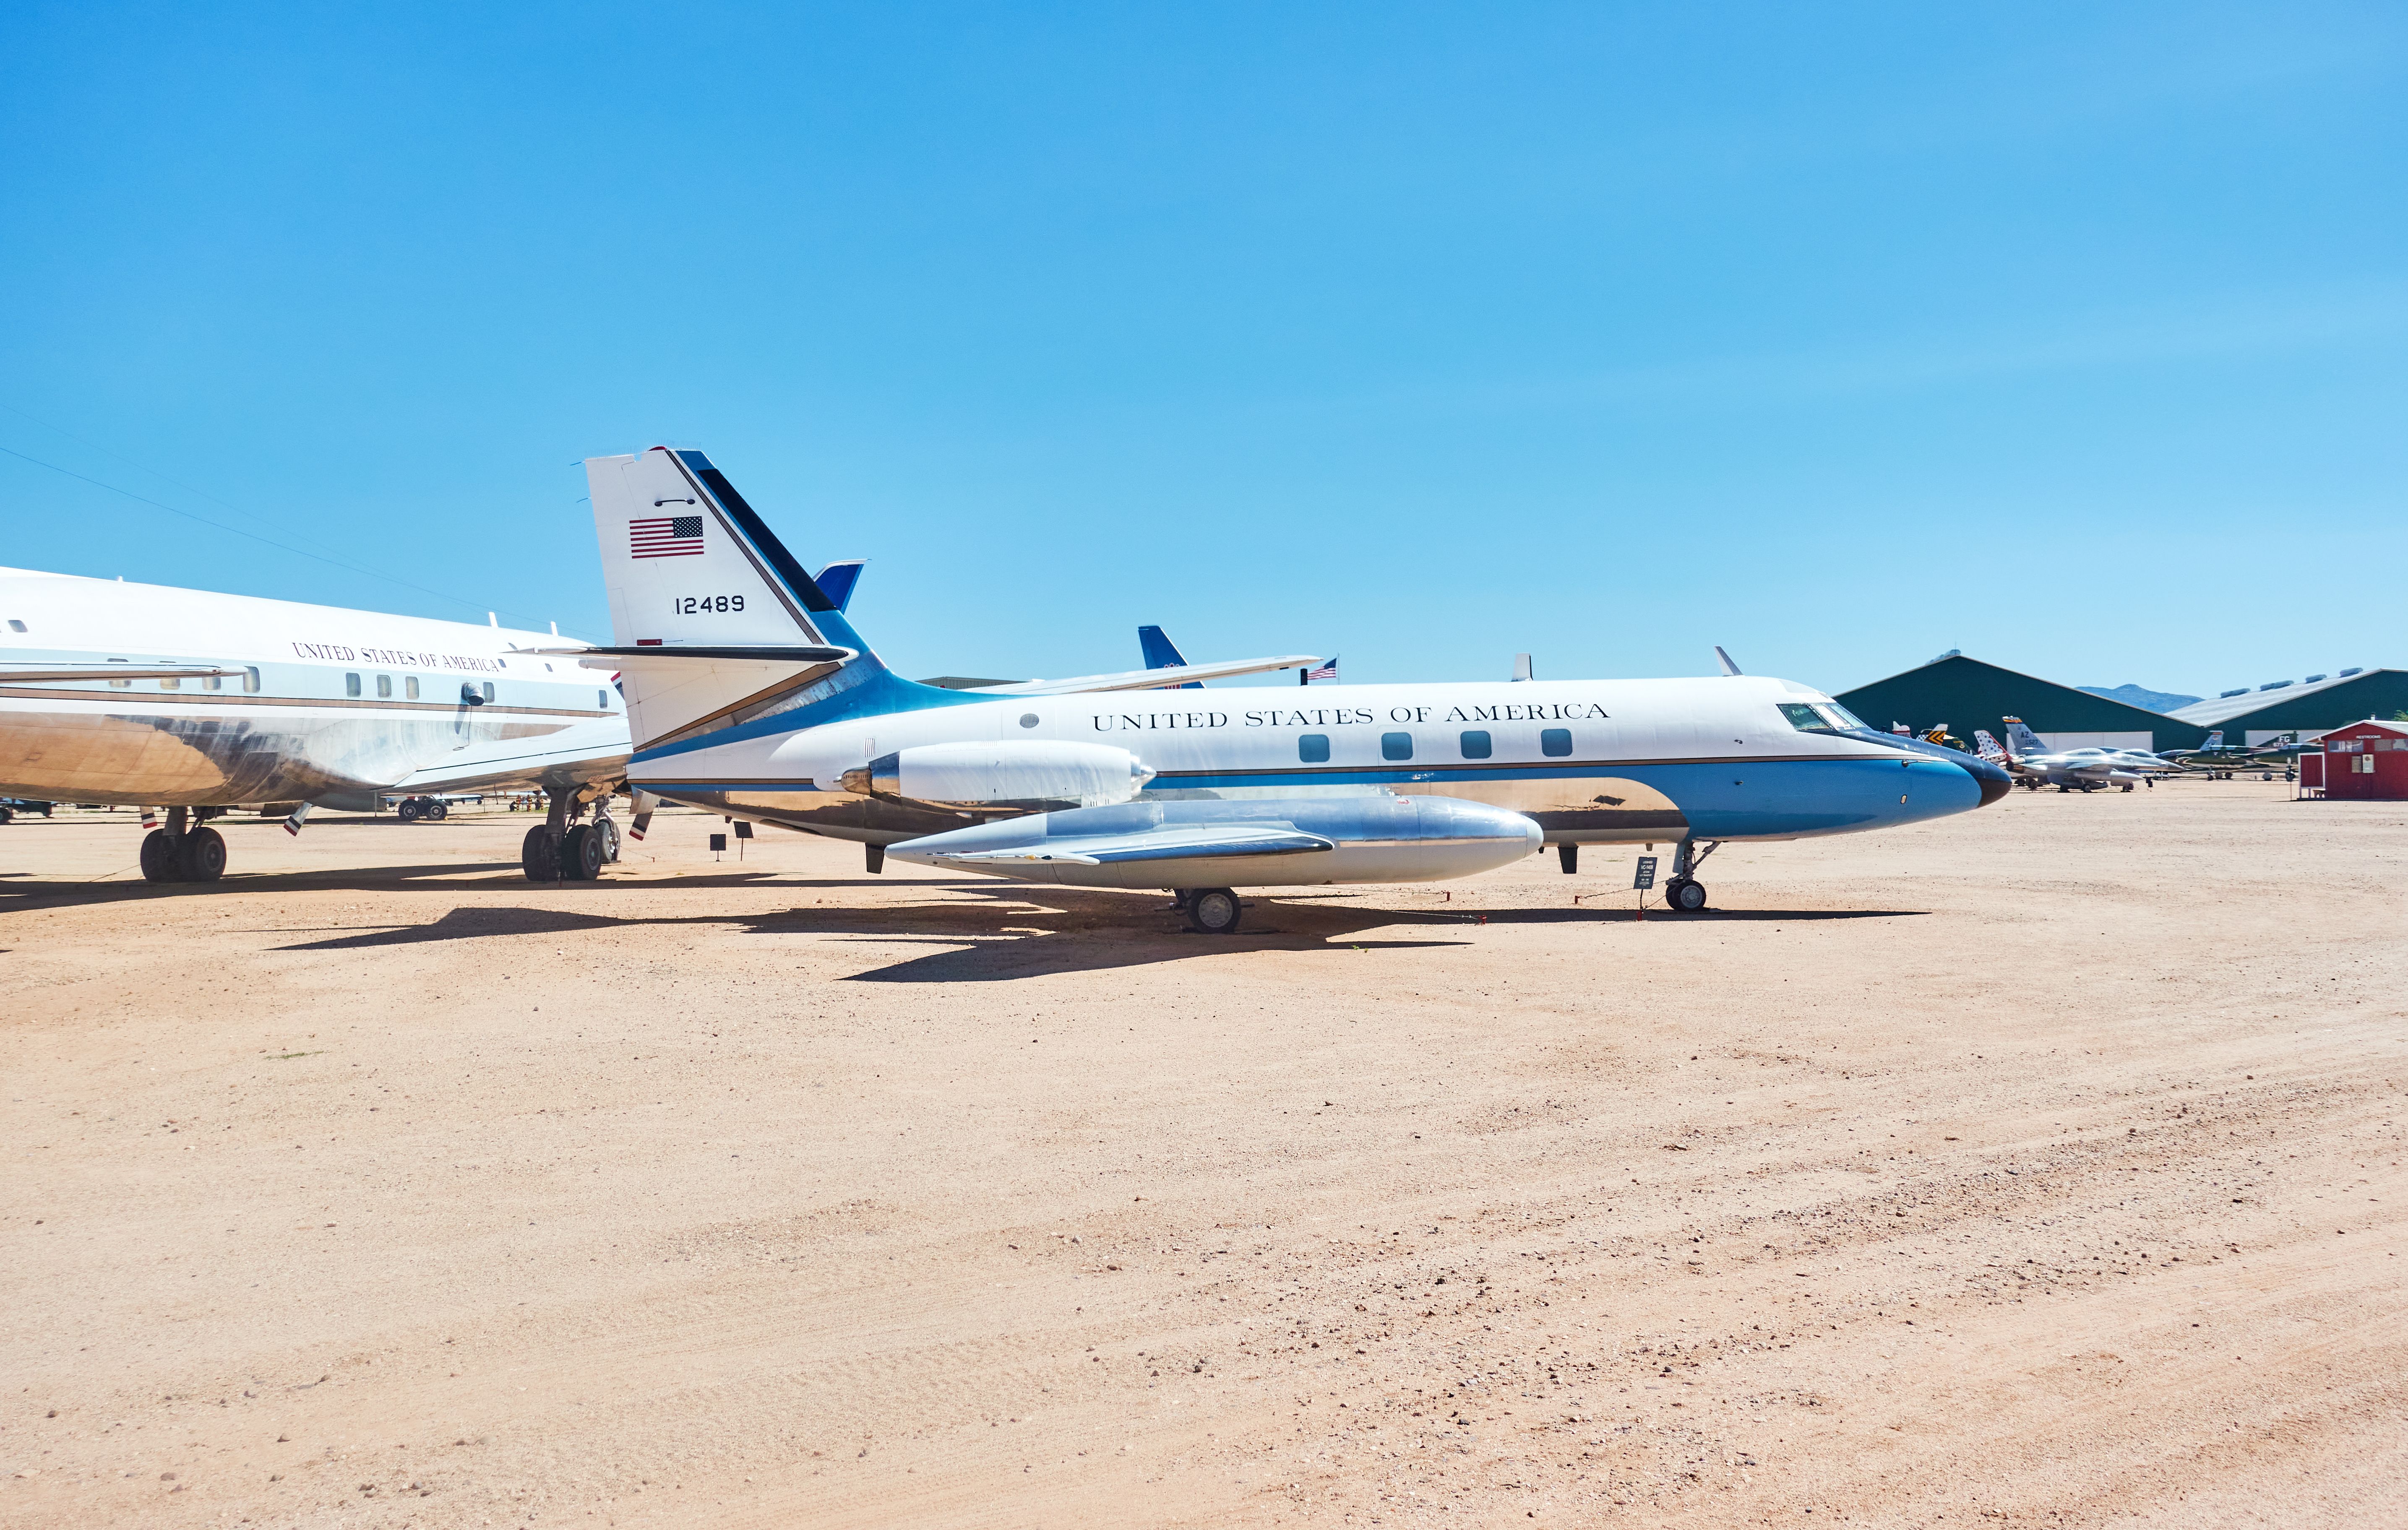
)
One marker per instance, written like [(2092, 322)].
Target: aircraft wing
[(1183, 843), (23, 674), (1147, 679)]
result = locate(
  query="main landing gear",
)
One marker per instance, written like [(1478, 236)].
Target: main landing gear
[(421, 809), (560, 848), (185, 848), (1210, 910)]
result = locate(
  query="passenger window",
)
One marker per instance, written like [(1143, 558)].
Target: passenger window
[(213, 682), (1804, 718), (384, 687), (249, 678), (1396, 746), (1556, 741), (1476, 745), (602, 700), (351, 685), (118, 685), (171, 682), (489, 689), (1312, 748), (410, 688)]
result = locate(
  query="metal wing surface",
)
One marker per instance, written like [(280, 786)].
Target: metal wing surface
[(1147, 679), (1185, 843)]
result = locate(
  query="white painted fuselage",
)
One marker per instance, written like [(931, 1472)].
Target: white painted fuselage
[(322, 704)]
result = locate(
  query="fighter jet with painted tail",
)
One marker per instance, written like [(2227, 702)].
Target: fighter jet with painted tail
[(2088, 770)]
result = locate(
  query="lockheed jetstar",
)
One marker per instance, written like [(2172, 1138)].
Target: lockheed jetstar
[(750, 694)]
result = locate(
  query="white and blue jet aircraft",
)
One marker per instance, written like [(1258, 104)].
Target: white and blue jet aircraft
[(750, 694)]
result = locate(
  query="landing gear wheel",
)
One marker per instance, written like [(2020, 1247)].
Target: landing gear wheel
[(6, 815), (435, 812), (581, 853), (201, 857), (608, 828), (539, 854), (1214, 910), (1684, 896), (408, 811), (159, 858)]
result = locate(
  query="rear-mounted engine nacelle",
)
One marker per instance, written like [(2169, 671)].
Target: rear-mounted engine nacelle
[(1004, 777)]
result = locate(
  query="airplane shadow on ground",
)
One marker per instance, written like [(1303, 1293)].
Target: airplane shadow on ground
[(1004, 931), (20, 890)]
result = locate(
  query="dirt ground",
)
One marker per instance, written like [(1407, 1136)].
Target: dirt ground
[(2039, 1166)]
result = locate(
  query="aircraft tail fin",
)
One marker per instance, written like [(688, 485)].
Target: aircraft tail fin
[(1162, 653), (1987, 746), (2214, 741), (689, 565), (2021, 739)]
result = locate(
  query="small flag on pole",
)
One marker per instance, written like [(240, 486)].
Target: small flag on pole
[(666, 537), (1326, 672)]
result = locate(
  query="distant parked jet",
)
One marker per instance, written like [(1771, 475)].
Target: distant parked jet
[(2079, 769)]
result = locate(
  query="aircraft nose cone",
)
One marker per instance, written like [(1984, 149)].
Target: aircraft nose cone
[(1995, 783)]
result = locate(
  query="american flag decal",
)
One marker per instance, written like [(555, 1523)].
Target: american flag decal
[(666, 537)]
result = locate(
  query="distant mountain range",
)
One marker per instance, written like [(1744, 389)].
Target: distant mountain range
[(2139, 696)]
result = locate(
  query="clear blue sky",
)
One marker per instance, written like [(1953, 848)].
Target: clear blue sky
[(2069, 336)]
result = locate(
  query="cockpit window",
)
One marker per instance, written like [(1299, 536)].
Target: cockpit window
[(1822, 717)]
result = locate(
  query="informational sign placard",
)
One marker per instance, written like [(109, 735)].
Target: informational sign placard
[(1646, 877)]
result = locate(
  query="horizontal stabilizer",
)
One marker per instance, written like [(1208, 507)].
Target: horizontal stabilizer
[(755, 654), (1149, 679), (16, 675), (1185, 843), (675, 692)]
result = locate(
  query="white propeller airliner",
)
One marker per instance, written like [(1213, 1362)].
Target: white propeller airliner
[(150, 697)]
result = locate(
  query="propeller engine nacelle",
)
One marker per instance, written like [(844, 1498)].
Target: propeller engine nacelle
[(1013, 776)]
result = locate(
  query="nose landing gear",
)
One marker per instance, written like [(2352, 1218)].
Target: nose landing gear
[(1684, 893)]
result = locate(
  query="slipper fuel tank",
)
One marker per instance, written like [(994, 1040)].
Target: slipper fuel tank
[(1260, 842)]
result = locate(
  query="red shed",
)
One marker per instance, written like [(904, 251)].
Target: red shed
[(2362, 761)]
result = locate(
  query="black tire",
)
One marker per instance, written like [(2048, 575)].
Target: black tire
[(6, 814), (1214, 910), (159, 858), (202, 856), (539, 854), (609, 829), (581, 854), (1684, 896), (408, 811), (435, 811)]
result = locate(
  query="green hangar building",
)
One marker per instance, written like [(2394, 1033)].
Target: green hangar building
[(2300, 709), (1966, 694)]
